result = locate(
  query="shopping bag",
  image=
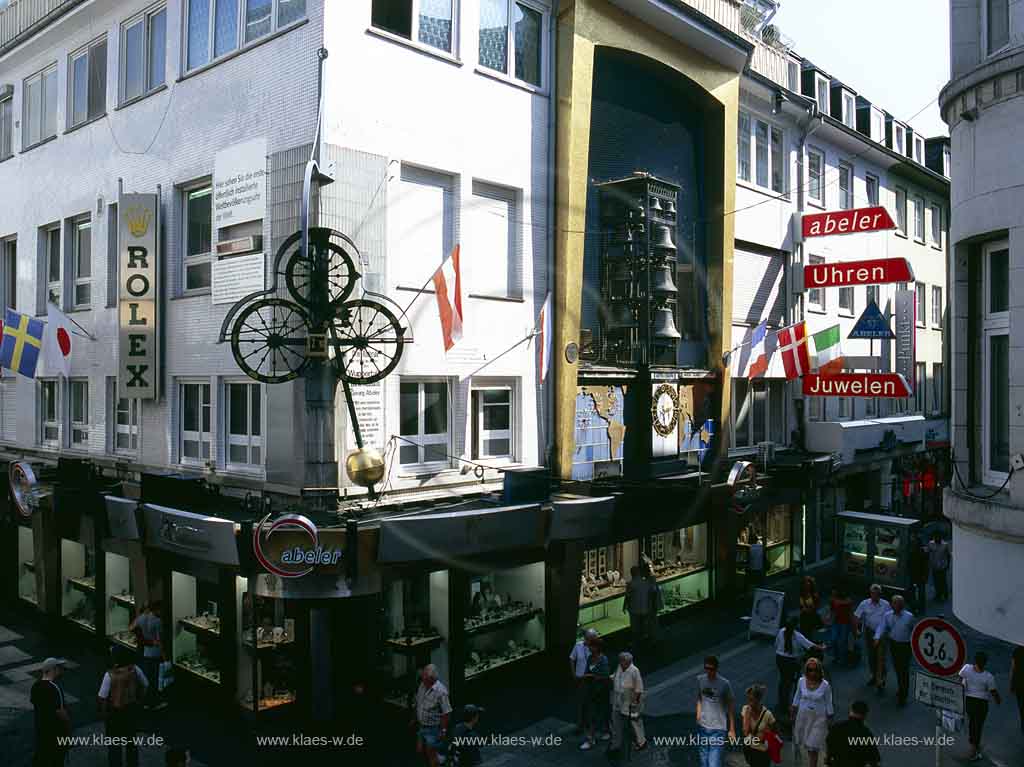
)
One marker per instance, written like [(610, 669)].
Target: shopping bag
[(166, 676), (774, 743)]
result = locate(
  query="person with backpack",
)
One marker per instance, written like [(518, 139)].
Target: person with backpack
[(121, 692)]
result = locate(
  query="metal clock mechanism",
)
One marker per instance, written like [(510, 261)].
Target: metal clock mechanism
[(274, 338)]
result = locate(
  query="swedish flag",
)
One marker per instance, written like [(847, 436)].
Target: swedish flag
[(23, 338)]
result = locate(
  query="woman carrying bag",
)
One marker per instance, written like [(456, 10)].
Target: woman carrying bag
[(758, 728)]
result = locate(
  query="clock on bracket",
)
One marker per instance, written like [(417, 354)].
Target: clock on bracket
[(665, 410)]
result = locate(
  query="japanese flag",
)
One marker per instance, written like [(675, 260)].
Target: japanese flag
[(57, 342)]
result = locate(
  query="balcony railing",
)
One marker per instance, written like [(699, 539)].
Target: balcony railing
[(22, 17), (770, 62), (725, 12)]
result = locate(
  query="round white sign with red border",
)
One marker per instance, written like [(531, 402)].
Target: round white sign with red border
[(938, 647)]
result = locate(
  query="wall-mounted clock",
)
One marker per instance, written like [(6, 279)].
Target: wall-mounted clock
[(665, 410)]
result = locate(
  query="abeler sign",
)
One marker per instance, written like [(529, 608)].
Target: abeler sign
[(138, 375), (874, 219), (877, 271), (294, 555), (890, 385)]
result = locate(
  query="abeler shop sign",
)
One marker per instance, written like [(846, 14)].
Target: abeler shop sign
[(138, 374), (874, 219), (292, 546)]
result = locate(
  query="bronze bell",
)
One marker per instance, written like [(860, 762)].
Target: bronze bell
[(656, 205), (661, 280), (661, 237), (622, 318), (670, 208), (664, 325)]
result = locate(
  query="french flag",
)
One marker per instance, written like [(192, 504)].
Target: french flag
[(758, 356)]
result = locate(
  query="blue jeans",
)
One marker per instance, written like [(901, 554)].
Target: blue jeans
[(711, 747), (840, 642)]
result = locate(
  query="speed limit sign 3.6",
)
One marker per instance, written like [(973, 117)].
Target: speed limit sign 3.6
[(938, 647)]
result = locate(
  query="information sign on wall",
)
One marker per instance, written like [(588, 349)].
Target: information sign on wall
[(236, 277), (240, 183), (138, 375), (906, 343)]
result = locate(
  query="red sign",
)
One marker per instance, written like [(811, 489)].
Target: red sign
[(874, 219), (890, 385), (841, 273), (938, 647)]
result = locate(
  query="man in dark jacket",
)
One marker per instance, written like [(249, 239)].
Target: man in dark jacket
[(465, 743), (848, 742), (919, 576)]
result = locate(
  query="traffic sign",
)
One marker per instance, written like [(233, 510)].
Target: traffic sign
[(877, 271), (939, 692), (872, 325), (872, 219), (938, 647), (889, 385)]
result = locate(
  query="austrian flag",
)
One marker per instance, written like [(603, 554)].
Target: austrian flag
[(793, 345), (448, 287)]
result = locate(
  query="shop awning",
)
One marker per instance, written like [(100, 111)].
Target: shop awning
[(122, 521), (196, 536), (581, 518)]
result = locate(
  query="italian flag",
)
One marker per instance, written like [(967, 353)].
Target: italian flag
[(830, 355)]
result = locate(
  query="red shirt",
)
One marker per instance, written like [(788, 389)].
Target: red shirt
[(841, 611)]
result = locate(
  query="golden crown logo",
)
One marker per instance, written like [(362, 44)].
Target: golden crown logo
[(138, 221)]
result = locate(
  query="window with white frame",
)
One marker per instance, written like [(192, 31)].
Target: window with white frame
[(901, 211), (919, 150), (919, 219), (49, 412), (938, 388), (846, 301), (995, 377), (431, 22), (877, 125), (194, 436), (215, 28), (871, 295), (758, 411), (9, 272), (39, 107), (919, 295), (821, 94), (937, 306), (197, 235), (87, 83), (743, 147), (997, 25), (816, 296), (936, 228), (244, 425), (78, 390), (423, 221), (816, 176), (845, 186), (492, 228), (81, 262), (899, 138), (920, 388), (945, 161), (871, 186), (424, 425), (514, 48), (6, 127), (54, 267), (493, 422), (793, 75), (849, 110), (143, 53), (761, 148), (127, 416)]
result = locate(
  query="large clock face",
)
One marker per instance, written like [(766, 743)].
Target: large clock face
[(665, 410)]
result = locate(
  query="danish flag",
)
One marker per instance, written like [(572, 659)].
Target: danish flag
[(793, 345), (448, 287)]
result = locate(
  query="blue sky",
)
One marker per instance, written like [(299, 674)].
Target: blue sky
[(895, 53)]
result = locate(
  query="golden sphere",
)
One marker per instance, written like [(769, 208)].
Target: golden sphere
[(365, 466)]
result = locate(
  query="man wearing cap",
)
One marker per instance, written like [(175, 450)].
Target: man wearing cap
[(465, 741), (52, 720)]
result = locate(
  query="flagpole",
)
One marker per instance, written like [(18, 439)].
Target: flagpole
[(533, 334), (423, 289)]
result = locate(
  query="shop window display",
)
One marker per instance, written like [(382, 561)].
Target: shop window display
[(773, 529), (415, 630), (120, 602), (678, 560), (888, 547), (504, 618), (78, 570), (197, 640), (855, 550), (26, 565), (268, 670)]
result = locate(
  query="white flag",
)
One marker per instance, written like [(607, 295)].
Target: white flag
[(57, 342), (544, 326)]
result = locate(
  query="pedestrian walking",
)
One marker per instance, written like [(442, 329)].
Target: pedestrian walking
[(1017, 680), (867, 617), (939, 559), (810, 601), (790, 645), (148, 626), (812, 711), (841, 608), (52, 719), (896, 627), (627, 704), (432, 710), (979, 688), (637, 603), (716, 724), (655, 604), (465, 746), (121, 693), (755, 563), (919, 566), (851, 743), (596, 689), (757, 722), (578, 670)]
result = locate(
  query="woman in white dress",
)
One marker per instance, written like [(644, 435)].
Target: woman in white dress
[(812, 710)]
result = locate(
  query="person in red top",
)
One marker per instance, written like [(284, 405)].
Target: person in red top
[(810, 621), (842, 619)]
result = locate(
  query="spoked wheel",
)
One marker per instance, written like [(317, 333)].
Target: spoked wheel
[(268, 340), (336, 269), (367, 340)]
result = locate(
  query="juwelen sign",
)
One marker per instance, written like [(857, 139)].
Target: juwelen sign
[(875, 219), (890, 385), (838, 274)]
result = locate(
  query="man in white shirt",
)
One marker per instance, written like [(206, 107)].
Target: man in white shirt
[(432, 710), (897, 625), (578, 669), (867, 617), (627, 699), (979, 686)]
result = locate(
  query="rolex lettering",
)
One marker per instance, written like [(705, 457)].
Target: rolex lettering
[(138, 292)]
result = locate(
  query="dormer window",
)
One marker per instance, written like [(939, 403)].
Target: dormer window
[(877, 125), (919, 150), (899, 139), (821, 93), (793, 73), (849, 110)]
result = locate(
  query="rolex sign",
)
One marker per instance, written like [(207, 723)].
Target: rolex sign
[(138, 372)]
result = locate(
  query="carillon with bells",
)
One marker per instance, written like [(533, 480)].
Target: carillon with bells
[(638, 266)]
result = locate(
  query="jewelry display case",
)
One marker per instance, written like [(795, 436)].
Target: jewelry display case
[(120, 600), (269, 667), (78, 593), (197, 646), (415, 630), (773, 527), (26, 566), (504, 620)]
